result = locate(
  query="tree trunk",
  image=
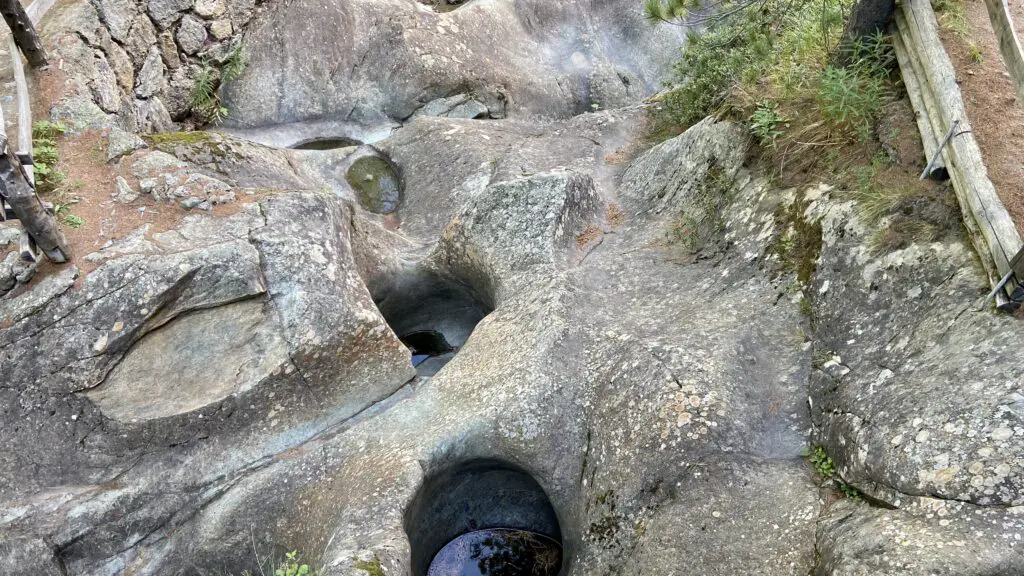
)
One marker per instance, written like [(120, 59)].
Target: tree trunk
[(867, 17), (24, 32)]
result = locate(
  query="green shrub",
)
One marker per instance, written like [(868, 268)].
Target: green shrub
[(850, 101), (714, 64), (204, 98), (766, 123), (851, 97), (234, 64), (772, 60), (44, 155), (826, 468), (292, 567)]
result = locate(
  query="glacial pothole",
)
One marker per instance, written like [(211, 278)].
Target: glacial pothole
[(433, 315), (327, 143), (375, 181), (483, 517)]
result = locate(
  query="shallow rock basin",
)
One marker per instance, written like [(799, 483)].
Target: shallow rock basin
[(326, 144), (376, 184)]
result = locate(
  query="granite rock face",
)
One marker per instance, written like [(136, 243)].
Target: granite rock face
[(520, 59), (636, 341)]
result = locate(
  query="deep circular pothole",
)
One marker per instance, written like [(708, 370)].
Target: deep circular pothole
[(483, 517), (432, 314), (329, 143), (375, 181)]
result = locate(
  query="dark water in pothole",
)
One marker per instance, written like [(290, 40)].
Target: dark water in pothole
[(326, 144), (376, 184), (446, 6), (426, 344), (498, 552)]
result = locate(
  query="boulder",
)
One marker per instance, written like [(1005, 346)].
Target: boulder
[(123, 192), (220, 29), (167, 12), (241, 11), (151, 78), (120, 143), (118, 16), (141, 39), (191, 35), (210, 9), (511, 54), (104, 86), (169, 50), (151, 114), (927, 537)]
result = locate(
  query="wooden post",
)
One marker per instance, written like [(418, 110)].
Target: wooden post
[(992, 230), (40, 224), (24, 32), (1009, 46)]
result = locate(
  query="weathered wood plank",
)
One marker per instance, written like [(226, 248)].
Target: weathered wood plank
[(975, 191), (24, 31), (1009, 45), (22, 98), (917, 98), (18, 193), (38, 9)]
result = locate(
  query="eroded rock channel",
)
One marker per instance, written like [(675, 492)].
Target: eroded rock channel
[(431, 320)]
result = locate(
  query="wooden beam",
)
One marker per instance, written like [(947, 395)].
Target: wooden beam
[(19, 194), (920, 99), (22, 98), (1009, 46), (975, 191), (24, 32), (37, 9)]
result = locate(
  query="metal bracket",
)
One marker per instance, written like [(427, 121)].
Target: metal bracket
[(27, 248), (938, 151)]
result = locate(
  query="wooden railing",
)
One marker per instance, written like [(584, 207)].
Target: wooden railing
[(18, 197), (1009, 46), (935, 95)]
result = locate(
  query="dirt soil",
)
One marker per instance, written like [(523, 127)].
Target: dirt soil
[(995, 111), (89, 182)]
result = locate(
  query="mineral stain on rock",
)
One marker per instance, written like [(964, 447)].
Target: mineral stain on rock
[(376, 184), (498, 552)]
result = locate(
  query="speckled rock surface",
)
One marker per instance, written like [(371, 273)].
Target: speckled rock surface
[(524, 58), (662, 391)]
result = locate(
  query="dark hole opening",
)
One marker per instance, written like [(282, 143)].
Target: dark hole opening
[(483, 518), (445, 5), (432, 314), (426, 344), (326, 144)]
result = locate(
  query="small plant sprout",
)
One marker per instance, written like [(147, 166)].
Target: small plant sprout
[(74, 220), (204, 97), (766, 123), (826, 468), (974, 53), (292, 567)]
